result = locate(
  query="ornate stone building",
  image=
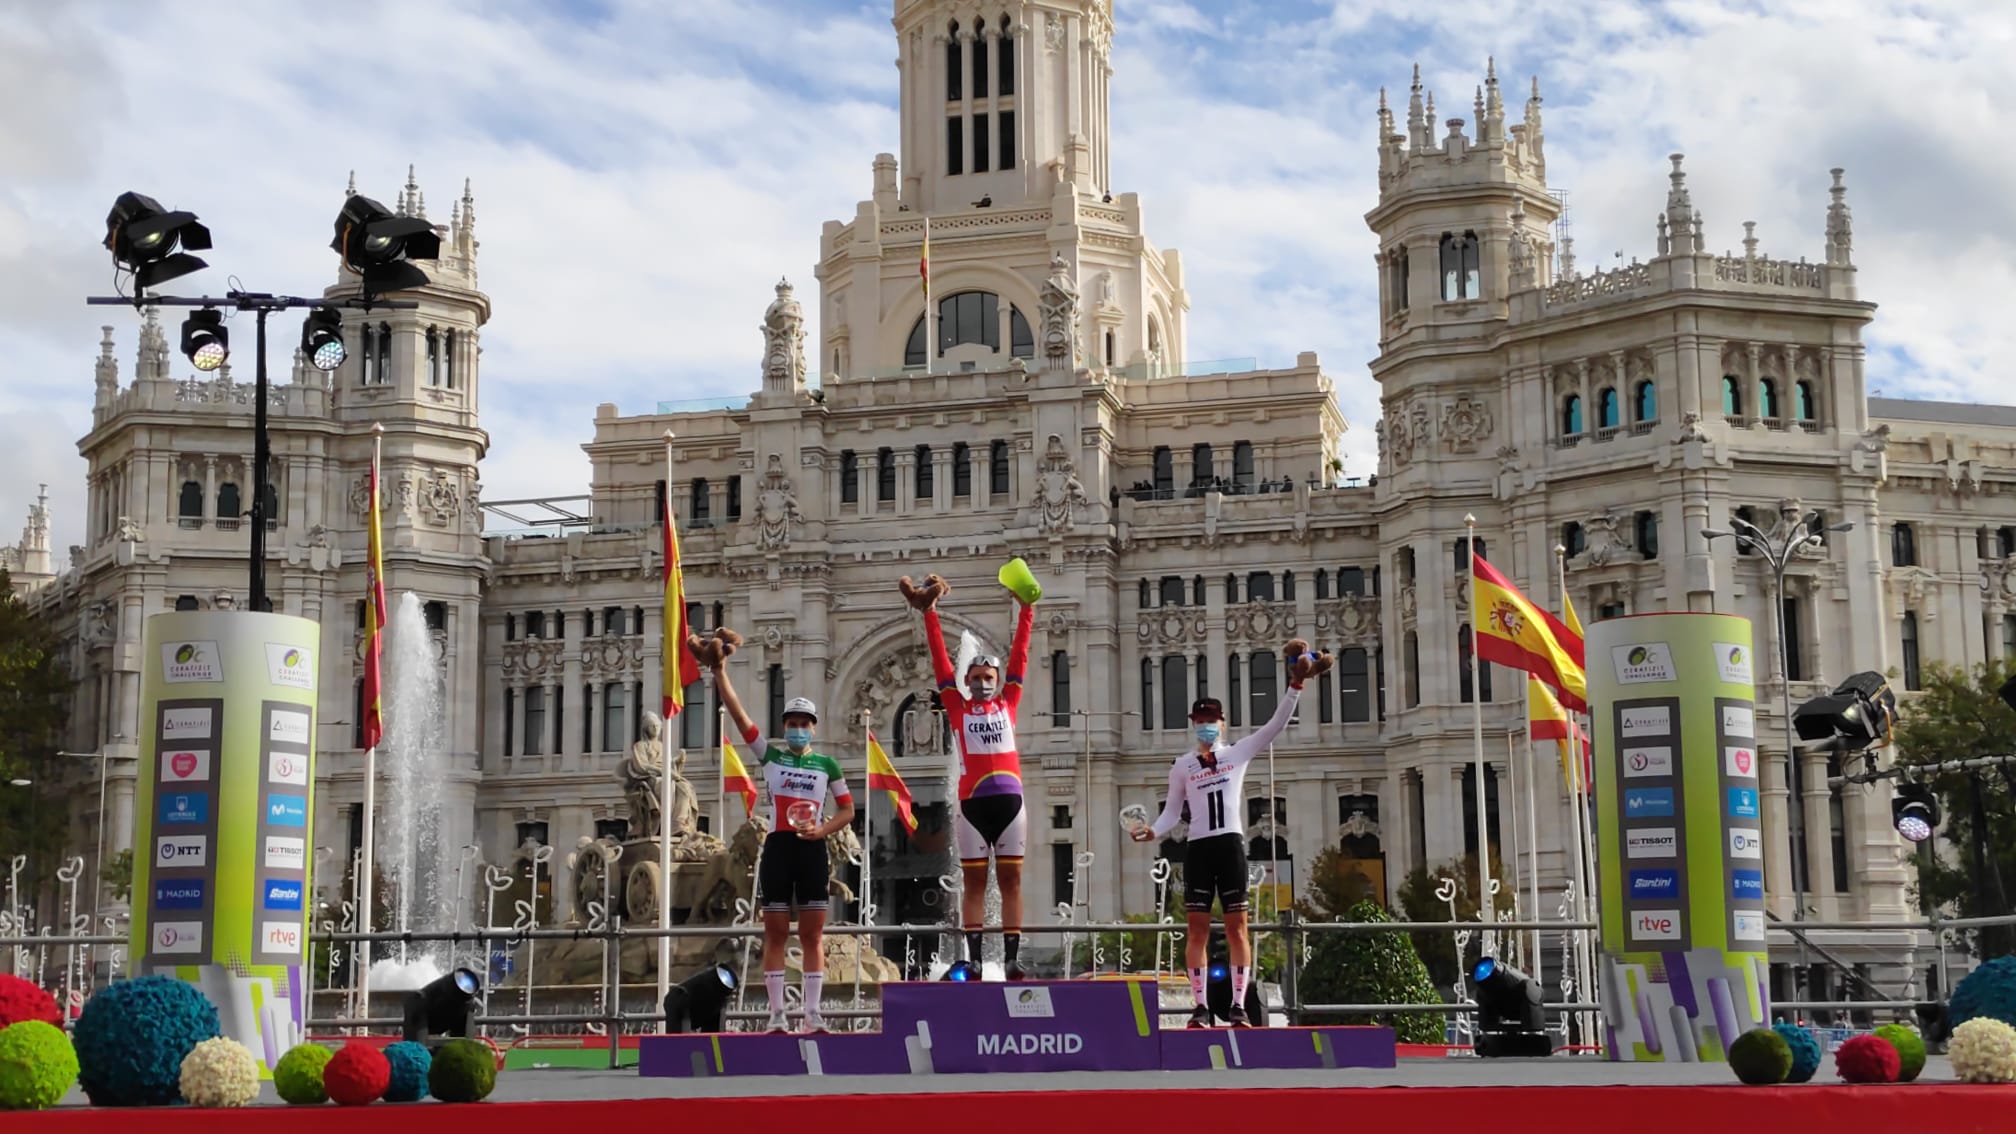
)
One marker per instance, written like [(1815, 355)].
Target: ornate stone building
[(29, 563), (1183, 521)]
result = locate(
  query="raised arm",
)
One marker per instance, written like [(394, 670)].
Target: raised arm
[(1301, 665), (713, 652), (1018, 658), (1172, 809), (925, 599)]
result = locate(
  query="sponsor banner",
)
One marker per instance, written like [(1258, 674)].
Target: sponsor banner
[(280, 894), (172, 852), (1742, 803), (288, 728), (186, 724), (1739, 723), (1648, 803), (184, 894), (185, 662), (178, 938), (1030, 1002), (1646, 720), (281, 937), (1746, 842), (1654, 884), (1651, 842), (287, 810), (1732, 663), (1739, 762), (184, 765), (1747, 925), (1746, 885), (1642, 663), (283, 853), (291, 666), (184, 808), (287, 768), (1640, 763), (975, 1027), (1654, 925)]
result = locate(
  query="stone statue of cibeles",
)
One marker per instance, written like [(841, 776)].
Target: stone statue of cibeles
[(643, 773)]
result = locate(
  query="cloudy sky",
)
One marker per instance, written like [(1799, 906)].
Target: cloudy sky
[(645, 170)]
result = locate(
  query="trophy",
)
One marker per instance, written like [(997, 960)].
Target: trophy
[(802, 814), (1133, 817)]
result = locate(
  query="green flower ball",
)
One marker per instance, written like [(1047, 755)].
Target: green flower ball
[(1910, 1050), (463, 1071), (298, 1078), (1761, 1057), (37, 1065)]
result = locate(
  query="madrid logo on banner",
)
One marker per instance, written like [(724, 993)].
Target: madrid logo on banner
[(291, 666), (185, 662)]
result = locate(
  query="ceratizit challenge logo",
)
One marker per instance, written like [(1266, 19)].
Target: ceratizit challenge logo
[(290, 666), (187, 662), (1646, 662), (1732, 663)]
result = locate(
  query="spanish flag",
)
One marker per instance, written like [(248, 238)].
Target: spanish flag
[(1547, 720), (735, 777), (1513, 632), (680, 667), (374, 621), (882, 774), (924, 263)]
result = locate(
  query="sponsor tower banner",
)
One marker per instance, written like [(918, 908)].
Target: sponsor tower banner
[(1679, 835), (226, 803)]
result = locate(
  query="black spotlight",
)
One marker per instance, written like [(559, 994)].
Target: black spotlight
[(696, 1003), (1915, 811), (143, 237), (1860, 713), (962, 971), (377, 245), (205, 340), (322, 339), (1509, 1022), (444, 1007)]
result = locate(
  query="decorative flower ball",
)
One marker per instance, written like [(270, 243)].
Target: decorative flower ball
[(408, 1063), (357, 1074), (1988, 991), (134, 1034), (37, 1065), (463, 1071), (1805, 1051), (1760, 1057), (298, 1075), (1910, 1049), (25, 1000), (220, 1072), (1866, 1059), (1983, 1051)]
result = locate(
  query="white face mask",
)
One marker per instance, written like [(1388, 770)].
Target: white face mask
[(980, 689)]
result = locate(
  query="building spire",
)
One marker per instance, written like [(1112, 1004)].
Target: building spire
[(1679, 206), (351, 190), (1417, 119), (1840, 232)]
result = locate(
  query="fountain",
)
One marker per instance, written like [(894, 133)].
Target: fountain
[(409, 840)]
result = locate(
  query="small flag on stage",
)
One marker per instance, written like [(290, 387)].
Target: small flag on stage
[(735, 777), (882, 775), (374, 621)]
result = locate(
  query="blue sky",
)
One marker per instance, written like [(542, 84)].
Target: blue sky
[(644, 172)]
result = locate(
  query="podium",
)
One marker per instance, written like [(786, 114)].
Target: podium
[(953, 1028)]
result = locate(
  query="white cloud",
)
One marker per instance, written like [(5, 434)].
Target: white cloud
[(644, 175)]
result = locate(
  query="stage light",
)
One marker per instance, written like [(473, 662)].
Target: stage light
[(378, 245), (322, 339), (143, 236), (205, 340), (696, 1003), (1915, 811), (1218, 993), (1859, 714), (1509, 1020), (443, 1007), (962, 971)]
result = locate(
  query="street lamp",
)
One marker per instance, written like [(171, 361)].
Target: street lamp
[(98, 864), (1792, 534)]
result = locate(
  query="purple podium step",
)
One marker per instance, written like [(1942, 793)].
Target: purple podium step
[(951, 1027), (751, 1053), (1277, 1049)]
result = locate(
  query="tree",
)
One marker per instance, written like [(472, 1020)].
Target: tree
[(1371, 968), (1334, 889), (117, 874), (34, 690), (1958, 715), (1418, 902)]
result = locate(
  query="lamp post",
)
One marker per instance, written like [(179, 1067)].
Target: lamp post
[(98, 864), (1086, 799), (1792, 534)]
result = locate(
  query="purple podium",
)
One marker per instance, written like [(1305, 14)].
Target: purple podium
[(950, 1028)]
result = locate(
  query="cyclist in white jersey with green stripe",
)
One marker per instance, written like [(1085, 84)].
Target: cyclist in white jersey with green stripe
[(794, 872)]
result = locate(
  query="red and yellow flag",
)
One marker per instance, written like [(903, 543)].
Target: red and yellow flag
[(374, 621), (1546, 719), (680, 667), (924, 263), (736, 778), (882, 775), (1512, 631)]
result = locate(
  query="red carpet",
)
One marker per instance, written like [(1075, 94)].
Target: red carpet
[(1945, 1108)]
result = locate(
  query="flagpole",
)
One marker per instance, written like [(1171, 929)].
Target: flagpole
[(669, 657), (1515, 835), (1477, 731), (930, 315), (1532, 840), (721, 766), (865, 898), (1584, 857), (363, 1010)]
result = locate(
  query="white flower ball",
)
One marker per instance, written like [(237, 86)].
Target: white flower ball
[(220, 1072), (1983, 1050)]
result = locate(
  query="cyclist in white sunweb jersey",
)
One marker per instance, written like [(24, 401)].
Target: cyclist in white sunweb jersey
[(1209, 782)]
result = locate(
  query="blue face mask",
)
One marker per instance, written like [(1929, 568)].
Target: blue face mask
[(798, 737), (1206, 733)]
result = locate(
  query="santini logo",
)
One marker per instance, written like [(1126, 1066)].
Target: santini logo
[(282, 896), (1032, 1043), (1655, 883)]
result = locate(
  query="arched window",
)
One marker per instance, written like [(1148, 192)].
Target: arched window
[(230, 506), (189, 503), (971, 317), (1802, 401), (1608, 413), (1459, 266), (980, 60), (1903, 545), (185, 602), (1647, 403), (1767, 398), (1573, 538), (433, 357), (1021, 341), (1112, 348), (1154, 334), (955, 86), (1910, 655), (997, 468), (1732, 395), (1004, 70), (1571, 415), (448, 360), (384, 366)]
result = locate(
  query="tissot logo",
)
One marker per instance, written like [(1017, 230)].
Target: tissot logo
[(1651, 842), (283, 853), (182, 850)]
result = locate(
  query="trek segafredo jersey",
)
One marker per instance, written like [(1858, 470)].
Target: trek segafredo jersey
[(793, 776)]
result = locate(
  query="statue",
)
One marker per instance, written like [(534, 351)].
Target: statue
[(776, 507), (1057, 305), (643, 772), (593, 863), (784, 341), (1058, 489)]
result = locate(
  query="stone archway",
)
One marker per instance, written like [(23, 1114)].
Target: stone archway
[(890, 664)]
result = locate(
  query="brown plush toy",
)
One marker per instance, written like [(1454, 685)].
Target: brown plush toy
[(713, 650), (1303, 665), (925, 597)]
